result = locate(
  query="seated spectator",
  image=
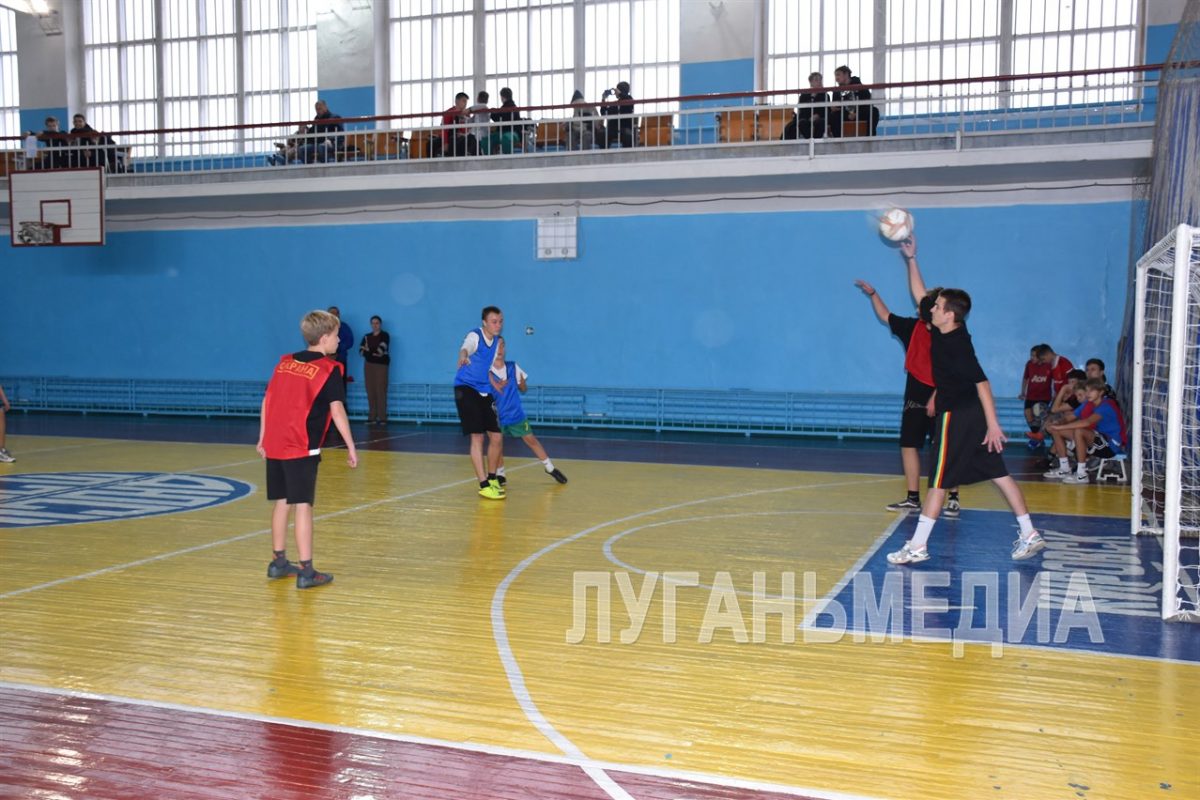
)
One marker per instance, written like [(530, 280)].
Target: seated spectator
[(481, 119), (325, 147), (1060, 366), (457, 139), (1066, 400), (810, 116), (1097, 431), (1095, 369), (105, 154), (56, 156), (615, 102), (289, 151), (849, 95), (1035, 391), (506, 138), (584, 129)]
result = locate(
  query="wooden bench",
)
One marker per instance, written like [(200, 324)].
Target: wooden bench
[(737, 126), (421, 143), (772, 120), (657, 130), (550, 134)]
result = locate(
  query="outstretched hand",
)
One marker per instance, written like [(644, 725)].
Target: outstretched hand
[(995, 439), (909, 246), (867, 288)]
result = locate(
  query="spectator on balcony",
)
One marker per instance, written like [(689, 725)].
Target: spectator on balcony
[(289, 151), (56, 156), (325, 141), (506, 138), (810, 116), (848, 104), (616, 102), (585, 129), (457, 139), (105, 154), (481, 120)]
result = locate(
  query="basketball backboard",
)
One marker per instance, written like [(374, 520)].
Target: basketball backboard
[(56, 207)]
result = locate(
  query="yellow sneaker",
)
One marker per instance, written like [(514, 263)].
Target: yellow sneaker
[(492, 491)]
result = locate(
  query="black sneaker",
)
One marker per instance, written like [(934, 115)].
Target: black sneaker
[(556, 473), (500, 479), (282, 568), (907, 504), (953, 508), (315, 579)]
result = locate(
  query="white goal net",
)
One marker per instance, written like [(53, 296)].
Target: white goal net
[(1166, 414)]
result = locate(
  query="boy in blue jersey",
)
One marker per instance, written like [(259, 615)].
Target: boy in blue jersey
[(508, 384), (473, 399), (1098, 430)]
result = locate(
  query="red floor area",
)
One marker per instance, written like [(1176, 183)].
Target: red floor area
[(70, 747)]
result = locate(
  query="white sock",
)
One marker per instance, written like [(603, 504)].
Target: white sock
[(548, 464), (1081, 469), (924, 528), (1064, 465), (1026, 526), (499, 471)]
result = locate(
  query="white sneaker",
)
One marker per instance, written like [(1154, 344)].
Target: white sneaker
[(1075, 477), (1057, 474), (6, 457), (906, 555), (1028, 548)]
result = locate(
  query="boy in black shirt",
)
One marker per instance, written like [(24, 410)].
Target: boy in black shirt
[(970, 439)]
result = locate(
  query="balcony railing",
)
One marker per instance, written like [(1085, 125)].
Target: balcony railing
[(946, 112)]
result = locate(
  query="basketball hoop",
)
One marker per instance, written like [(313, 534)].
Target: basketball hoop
[(39, 233)]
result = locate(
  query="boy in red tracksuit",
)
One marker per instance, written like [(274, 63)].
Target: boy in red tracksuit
[(304, 394)]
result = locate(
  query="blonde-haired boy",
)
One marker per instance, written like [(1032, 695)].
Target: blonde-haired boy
[(304, 395)]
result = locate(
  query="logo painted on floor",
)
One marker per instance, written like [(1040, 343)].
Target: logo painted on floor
[(70, 498), (1095, 587)]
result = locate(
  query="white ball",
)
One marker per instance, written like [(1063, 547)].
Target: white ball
[(896, 224)]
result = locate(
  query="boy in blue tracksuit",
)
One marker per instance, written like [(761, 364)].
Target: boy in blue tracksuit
[(508, 383)]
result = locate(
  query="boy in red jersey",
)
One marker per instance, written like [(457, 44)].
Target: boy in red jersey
[(1036, 390), (300, 402), (1059, 366)]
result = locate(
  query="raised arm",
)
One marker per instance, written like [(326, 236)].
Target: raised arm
[(916, 284), (880, 307)]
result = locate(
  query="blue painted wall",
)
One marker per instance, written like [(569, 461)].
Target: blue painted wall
[(34, 119), (709, 77), (358, 101), (760, 300)]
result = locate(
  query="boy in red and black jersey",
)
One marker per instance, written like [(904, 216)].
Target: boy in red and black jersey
[(305, 393)]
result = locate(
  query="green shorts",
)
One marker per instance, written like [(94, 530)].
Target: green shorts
[(517, 429)]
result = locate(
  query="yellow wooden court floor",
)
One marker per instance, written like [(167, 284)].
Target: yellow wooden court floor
[(658, 617)]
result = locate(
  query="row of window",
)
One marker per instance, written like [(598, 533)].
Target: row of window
[(191, 63)]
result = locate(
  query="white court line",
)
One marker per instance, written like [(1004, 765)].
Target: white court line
[(469, 747), (238, 538), (516, 677), (812, 615)]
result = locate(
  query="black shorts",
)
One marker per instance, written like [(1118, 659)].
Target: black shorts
[(475, 411), (915, 426), (293, 479), (1102, 447), (960, 457), (1032, 403)]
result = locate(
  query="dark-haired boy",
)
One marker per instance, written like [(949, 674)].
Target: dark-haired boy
[(305, 393), (473, 399), (970, 440)]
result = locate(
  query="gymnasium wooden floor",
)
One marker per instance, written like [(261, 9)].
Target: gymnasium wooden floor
[(459, 654)]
